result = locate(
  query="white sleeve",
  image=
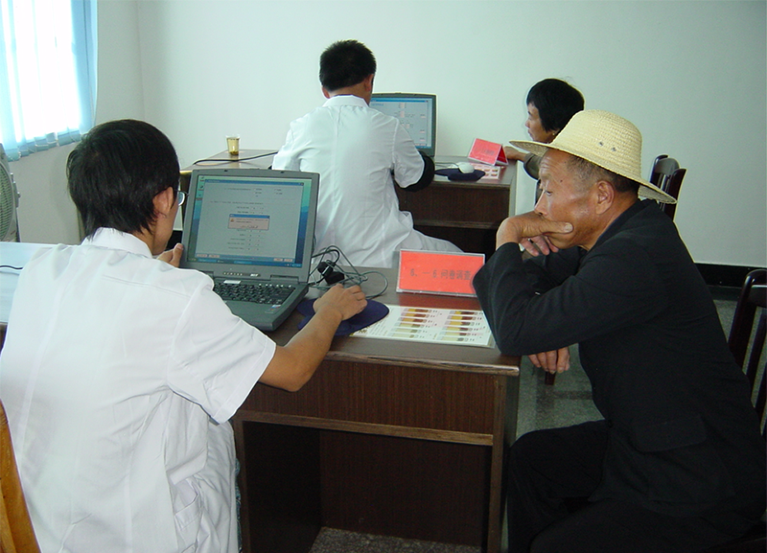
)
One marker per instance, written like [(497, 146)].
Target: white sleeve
[(217, 357), (408, 163), (287, 158)]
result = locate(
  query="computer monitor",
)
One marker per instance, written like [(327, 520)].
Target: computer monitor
[(416, 112)]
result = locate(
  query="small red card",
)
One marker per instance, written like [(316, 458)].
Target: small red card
[(487, 152), (438, 272)]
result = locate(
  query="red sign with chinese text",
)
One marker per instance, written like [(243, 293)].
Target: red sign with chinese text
[(438, 272), (487, 152)]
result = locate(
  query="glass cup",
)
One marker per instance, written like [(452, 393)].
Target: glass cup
[(233, 144)]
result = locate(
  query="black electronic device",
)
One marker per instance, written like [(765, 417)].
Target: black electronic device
[(328, 271)]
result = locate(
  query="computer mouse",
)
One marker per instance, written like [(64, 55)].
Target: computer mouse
[(465, 167)]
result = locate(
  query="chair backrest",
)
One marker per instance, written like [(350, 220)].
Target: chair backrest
[(16, 532), (667, 175), (752, 308)]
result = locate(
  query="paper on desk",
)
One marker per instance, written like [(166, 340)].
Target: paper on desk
[(422, 324), (492, 172)]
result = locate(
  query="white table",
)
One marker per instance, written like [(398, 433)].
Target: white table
[(15, 254)]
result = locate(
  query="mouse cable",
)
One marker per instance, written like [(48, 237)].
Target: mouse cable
[(230, 160), (11, 267), (329, 265)]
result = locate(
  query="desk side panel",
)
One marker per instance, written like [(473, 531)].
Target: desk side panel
[(280, 481), (479, 207), (408, 488)]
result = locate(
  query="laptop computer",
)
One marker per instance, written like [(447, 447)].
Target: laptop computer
[(251, 231)]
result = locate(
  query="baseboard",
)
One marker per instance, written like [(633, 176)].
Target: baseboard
[(724, 275)]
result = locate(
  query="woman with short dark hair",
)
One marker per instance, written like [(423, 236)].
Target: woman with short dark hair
[(550, 105)]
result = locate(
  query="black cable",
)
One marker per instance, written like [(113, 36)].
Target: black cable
[(230, 160), (350, 276), (11, 267)]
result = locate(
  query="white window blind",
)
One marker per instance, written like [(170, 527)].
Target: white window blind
[(47, 73)]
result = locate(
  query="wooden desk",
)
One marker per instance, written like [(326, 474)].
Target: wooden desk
[(247, 159), (389, 437), (465, 213)]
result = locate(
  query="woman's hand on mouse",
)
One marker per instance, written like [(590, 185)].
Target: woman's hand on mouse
[(347, 301)]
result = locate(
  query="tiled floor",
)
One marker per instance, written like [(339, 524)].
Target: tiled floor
[(565, 403)]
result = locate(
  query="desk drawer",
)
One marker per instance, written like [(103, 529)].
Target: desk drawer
[(425, 403)]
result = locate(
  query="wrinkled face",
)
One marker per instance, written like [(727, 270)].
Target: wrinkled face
[(535, 127), (564, 198)]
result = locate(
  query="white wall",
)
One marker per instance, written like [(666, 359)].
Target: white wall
[(691, 75), (46, 212)]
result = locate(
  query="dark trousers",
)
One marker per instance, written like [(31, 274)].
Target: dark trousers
[(552, 472)]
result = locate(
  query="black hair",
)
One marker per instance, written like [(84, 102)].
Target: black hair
[(588, 173), (345, 63), (556, 102), (115, 172)]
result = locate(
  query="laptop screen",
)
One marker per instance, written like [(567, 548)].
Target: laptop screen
[(249, 217), (416, 112)]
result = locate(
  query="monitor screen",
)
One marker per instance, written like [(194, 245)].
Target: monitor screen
[(416, 112), (249, 217)]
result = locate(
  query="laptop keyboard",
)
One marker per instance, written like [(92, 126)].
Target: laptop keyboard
[(272, 294)]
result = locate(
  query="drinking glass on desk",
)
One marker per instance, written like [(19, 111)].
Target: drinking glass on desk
[(233, 144)]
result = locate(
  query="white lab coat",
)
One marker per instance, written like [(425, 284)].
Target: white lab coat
[(118, 374)]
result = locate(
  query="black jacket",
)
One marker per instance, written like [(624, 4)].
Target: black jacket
[(684, 438)]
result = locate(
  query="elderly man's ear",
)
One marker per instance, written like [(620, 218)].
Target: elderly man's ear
[(605, 193)]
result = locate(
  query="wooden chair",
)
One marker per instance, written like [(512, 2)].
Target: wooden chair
[(751, 308), (16, 532), (666, 175)]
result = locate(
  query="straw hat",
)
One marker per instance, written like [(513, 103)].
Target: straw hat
[(606, 140)]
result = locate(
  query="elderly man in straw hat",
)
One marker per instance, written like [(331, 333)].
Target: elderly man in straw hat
[(678, 463)]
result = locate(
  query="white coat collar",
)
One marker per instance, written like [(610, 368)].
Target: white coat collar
[(345, 100), (117, 240)]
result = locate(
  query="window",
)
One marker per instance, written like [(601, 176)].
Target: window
[(47, 73)]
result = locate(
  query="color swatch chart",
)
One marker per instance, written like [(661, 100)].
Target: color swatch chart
[(422, 324)]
